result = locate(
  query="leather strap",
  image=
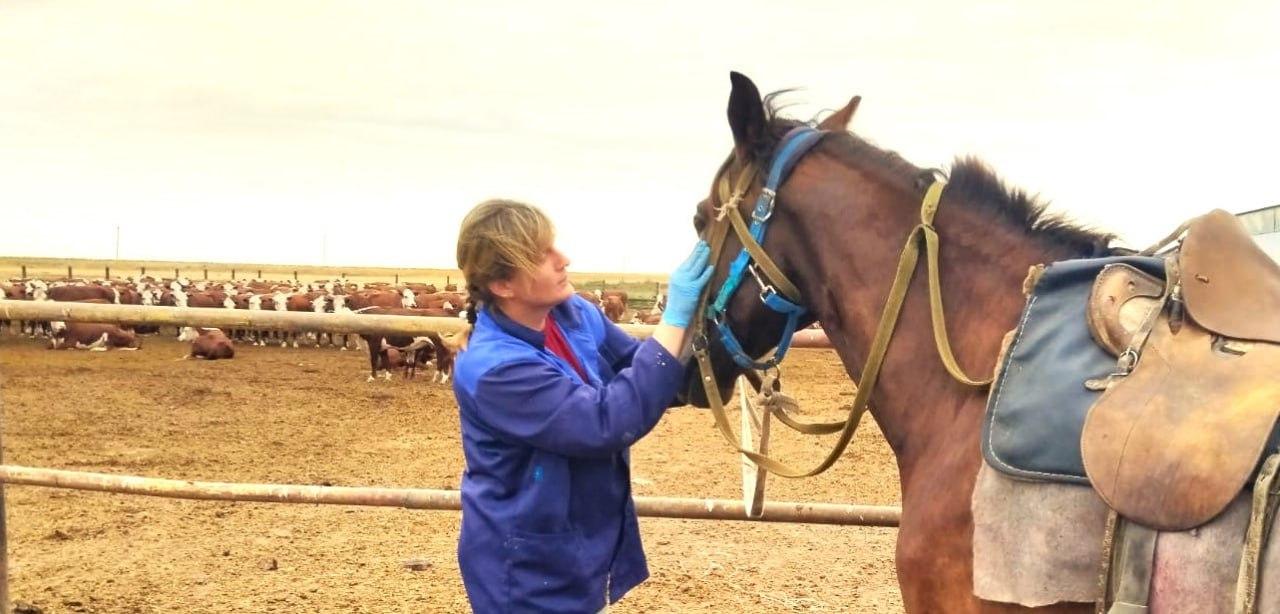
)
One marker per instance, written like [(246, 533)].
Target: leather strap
[(1265, 500), (1133, 569)]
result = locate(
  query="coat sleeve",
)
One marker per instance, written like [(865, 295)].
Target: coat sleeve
[(618, 347), (533, 403)]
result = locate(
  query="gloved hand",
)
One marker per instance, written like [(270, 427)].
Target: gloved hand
[(686, 285)]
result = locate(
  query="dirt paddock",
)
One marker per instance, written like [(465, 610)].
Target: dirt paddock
[(307, 416)]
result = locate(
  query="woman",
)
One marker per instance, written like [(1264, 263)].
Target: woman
[(551, 396)]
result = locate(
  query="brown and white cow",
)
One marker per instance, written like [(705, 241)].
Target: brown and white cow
[(92, 336), (80, 293), (614, 307), (208, 343), (413, 349)]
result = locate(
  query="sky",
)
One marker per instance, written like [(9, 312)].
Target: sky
[(360, 133)]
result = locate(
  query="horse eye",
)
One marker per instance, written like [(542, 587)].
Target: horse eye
[(700, 218)]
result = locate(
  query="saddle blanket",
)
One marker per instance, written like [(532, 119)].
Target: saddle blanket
[(1039, 543), (1038, 403)]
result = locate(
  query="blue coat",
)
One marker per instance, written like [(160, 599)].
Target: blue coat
[(548, 524)]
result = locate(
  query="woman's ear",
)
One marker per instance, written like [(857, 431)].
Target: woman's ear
[(502, 288)]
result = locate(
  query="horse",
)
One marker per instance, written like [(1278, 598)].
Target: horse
[(836, 232)]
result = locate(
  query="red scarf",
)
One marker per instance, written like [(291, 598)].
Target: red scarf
[(558, 345)]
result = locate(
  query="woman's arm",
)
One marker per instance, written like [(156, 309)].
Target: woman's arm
[(531, 402)]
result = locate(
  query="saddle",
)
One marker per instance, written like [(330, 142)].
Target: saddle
[(1183, 422)]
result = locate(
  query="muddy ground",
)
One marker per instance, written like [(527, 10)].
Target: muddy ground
[(307, 416)]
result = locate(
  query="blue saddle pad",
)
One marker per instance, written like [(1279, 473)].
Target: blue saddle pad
[(1038, 402)]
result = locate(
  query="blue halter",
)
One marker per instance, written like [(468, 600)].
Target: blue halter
[(793, 146)]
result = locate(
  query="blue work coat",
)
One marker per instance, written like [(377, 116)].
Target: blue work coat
[(548, 524)]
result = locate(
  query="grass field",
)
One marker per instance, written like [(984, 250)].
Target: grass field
[(641, 288)]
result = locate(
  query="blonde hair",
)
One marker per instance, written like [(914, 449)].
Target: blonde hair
[(498, 239)]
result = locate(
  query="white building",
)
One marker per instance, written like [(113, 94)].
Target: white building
[(1264, 225)]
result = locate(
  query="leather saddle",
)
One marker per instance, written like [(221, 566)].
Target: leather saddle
[(1173, 441)]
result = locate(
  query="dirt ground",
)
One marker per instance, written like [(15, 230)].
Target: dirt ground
[(307, 416)]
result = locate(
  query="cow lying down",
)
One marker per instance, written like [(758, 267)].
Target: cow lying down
[(207, 343), (91, 336)]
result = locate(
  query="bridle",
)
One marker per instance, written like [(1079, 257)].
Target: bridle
[(781, 295)]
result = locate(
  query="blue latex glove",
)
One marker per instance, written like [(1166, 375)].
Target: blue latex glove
[(686, 285)]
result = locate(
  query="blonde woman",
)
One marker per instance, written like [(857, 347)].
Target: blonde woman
[(551, 396)]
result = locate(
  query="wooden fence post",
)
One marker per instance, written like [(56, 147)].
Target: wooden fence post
[(206, 273), (259, 273), (108, 272), (233, 274), (144, 271), (24, 271), (176, 274), (295, 276), (397, 278), (68, 271)]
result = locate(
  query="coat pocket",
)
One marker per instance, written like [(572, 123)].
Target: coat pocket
[(546, 573)]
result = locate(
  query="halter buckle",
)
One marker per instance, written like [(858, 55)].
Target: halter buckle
[(699, 342), (764, 208)]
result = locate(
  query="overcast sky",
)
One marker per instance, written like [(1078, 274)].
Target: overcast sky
[(360, 132)]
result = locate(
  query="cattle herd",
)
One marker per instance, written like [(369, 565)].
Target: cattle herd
[(386, 353)]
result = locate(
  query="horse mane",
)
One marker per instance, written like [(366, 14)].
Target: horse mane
[(970, 179), (976, 183)]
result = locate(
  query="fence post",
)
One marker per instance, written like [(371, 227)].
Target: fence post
[(206, 273), (397, 278), (259, 273), (24, 271), (68, 271), (144, 271), (108, 273), (233, 274), (446, 280), (176, 274)]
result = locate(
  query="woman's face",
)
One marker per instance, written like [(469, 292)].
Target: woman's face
[(547, 286)]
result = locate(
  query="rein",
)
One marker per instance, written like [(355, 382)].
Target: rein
[(762, 267)]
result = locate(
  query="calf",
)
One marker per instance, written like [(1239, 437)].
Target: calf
[(92, 336), (208, 343)]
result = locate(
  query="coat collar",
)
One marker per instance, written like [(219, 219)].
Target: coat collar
[(564, 314)]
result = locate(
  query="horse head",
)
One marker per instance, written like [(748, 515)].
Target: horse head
[(739, 286)]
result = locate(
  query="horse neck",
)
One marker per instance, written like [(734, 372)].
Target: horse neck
[(852, 256)]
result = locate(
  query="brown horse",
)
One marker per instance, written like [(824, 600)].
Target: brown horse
[(837, 232)]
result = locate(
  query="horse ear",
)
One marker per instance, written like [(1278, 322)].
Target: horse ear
[(746, 115), (839, 121)]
